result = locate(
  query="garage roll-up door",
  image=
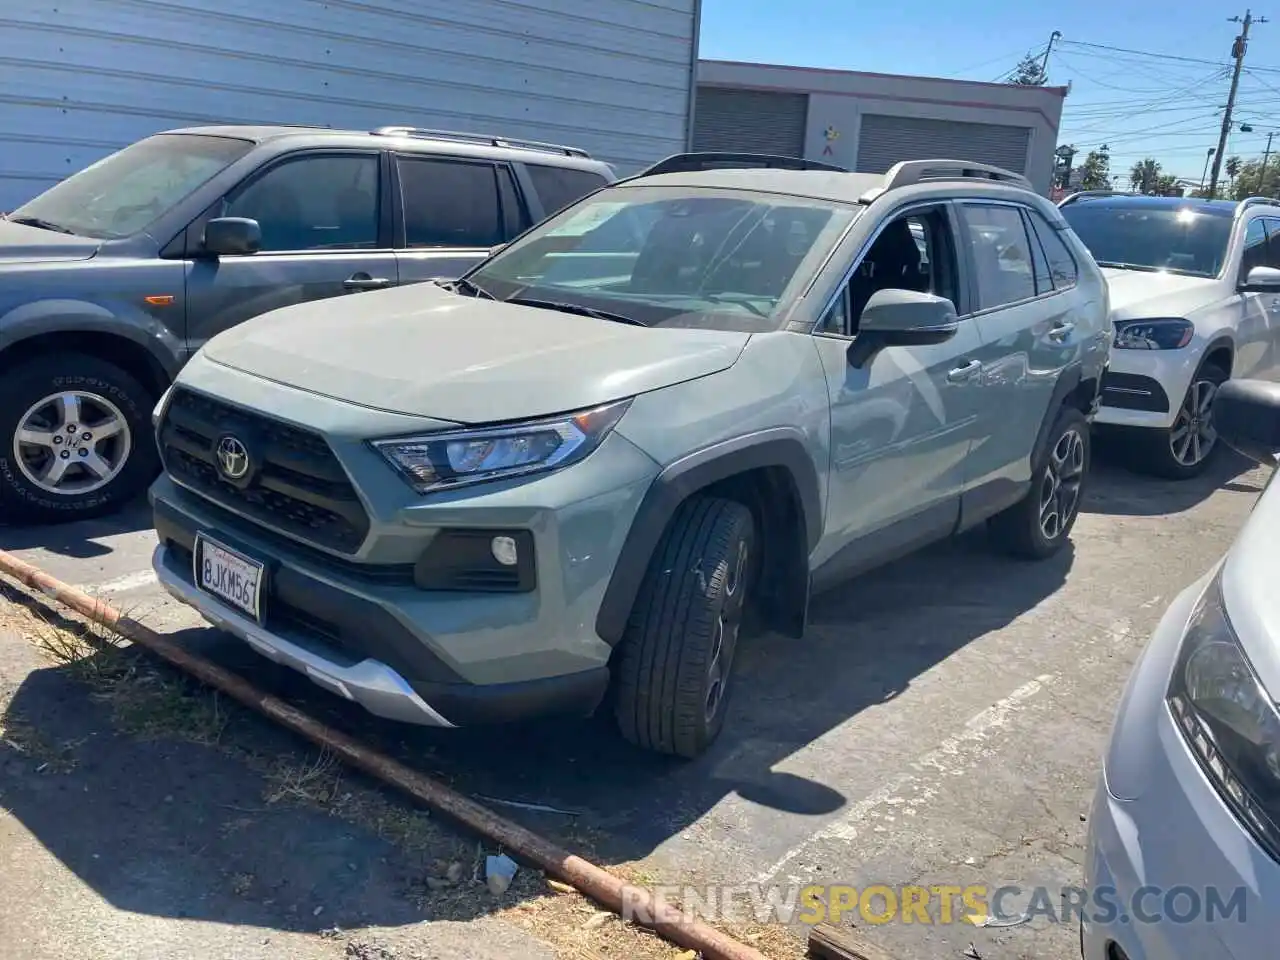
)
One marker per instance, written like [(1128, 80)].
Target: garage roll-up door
[(884, 140), (750, 121)]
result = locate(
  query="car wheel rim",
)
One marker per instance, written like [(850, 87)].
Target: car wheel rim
[(724, 641), (1060, 485), (1193, 437), (72, 443)]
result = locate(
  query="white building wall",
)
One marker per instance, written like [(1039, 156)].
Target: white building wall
[(81, 78), (839, 98)]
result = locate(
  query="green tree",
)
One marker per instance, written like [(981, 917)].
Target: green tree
[(1145, 175), (1095, 172), (1167, 186), (1029, 72), (1232, 166), (1252, 181)]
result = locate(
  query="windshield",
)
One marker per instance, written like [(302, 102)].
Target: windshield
[(1175, 239), (674, 256), (124, 192)]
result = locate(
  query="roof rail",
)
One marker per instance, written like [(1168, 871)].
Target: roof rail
[(908, 172), (483, 138), (1256, 201), (1096, 193), (690, 162)]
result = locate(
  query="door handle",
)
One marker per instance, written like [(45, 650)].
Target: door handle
[(362, 281), (966, 372), (1060, 331)]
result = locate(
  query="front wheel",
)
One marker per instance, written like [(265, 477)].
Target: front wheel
[(1039, 524), (75, 439), (1186, 448), (676, 658)]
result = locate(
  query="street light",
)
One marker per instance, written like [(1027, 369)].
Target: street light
[(1204, 173)]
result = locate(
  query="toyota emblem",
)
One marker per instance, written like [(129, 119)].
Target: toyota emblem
[(233, 458)]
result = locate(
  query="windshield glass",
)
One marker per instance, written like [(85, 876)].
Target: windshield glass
[(674, 256), (1182, 240), (124, 192)]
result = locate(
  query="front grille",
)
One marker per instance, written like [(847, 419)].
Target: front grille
[(296, 485)]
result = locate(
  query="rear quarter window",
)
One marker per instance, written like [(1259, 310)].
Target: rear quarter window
[(558, 187)]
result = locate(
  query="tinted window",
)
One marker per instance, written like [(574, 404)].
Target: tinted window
[(1001, 255), (1139, 236), (1273, 241), (124, 192), (558, 187), (683, 256), (1062, 265), (314, 203), (450, 203), (1255, 247), (1044, 284)]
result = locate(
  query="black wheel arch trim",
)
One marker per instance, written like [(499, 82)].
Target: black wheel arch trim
[(775, 447), (1219, 345), (1068, 380)]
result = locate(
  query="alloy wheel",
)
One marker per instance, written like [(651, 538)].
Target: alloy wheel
[(72, 443), (727, 626), (1060, 486), (1192, 437)]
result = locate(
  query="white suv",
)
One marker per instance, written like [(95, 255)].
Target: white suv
[(1195, 300)]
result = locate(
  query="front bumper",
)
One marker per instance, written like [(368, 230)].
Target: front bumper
[(1144, 388), (1158, 827)]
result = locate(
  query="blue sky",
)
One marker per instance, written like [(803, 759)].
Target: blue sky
[(1166, 106)]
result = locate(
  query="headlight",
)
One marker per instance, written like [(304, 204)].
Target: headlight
[(1162, 334), (1228, 719), (440, 461)]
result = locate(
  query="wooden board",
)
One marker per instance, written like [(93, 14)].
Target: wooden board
[(839, 943)]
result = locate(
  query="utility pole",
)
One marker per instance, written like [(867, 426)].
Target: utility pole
[(1262, 174), (1044, 63), (1237, 53)]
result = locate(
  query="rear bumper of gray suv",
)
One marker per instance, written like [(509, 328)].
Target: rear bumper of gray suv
[(366, 639)]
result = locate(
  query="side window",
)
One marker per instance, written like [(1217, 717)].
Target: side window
[(1062, 265), (451, 203), (1273, 242), (314, 203), (1255, 247), (912, 252), (559, 186), (1001, 254), (1039, 265)]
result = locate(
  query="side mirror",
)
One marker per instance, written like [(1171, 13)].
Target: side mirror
[(232, 237), (1262, 279), (902, 318), (1246, 414)]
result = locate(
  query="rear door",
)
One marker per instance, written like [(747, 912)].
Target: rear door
[(324, 234), (451, 212)]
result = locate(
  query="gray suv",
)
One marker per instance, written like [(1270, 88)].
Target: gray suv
[(111, 279), (689, 400)]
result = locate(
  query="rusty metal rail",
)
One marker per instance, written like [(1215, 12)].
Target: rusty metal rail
[(584, 876)]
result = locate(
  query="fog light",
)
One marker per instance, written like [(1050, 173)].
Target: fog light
[(504, 551)]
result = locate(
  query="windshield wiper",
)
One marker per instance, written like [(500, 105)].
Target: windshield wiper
[(1127, 266), (463, 285), (575, 308), (42, 224), (719, 298)]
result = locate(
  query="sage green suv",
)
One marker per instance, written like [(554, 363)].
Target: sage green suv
[(693, 397)]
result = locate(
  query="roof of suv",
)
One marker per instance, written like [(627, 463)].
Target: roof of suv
[(1128, 200), (409, 138)]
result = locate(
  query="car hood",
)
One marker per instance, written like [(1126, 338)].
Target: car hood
[(1249, 577), (1137, 294), (424, 351), (22, 244)]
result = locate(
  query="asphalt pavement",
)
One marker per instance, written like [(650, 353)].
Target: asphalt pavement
[(941, 722)]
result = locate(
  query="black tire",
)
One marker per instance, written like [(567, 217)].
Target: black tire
[(1057, 486), (1154, 453), (693, 595), (101, 387)]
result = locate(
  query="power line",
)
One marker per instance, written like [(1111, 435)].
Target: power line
[(1145, 53)]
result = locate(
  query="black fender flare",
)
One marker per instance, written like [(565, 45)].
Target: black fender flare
[(1068, 380), (783, 447)]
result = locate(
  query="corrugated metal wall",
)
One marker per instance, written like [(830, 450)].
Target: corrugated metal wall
[(750, 121), (884, 140), (80, 78)]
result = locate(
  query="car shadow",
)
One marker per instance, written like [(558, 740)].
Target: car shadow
[(1114, 488), (865, 645), (78, 539)]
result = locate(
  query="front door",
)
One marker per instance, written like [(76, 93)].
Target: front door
[(454, 211), (903, 424), (323, 236)]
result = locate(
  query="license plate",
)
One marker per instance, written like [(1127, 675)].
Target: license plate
[(228, 575)]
